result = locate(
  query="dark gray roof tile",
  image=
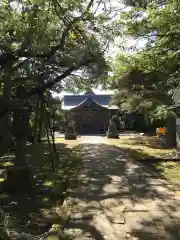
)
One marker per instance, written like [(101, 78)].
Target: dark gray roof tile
[(71, 101)]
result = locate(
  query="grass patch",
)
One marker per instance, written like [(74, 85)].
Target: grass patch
[(35, 212), (142, 146), (170, 170), (148, 150)]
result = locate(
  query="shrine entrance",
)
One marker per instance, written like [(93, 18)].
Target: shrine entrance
[(92, 124), (90, 118)]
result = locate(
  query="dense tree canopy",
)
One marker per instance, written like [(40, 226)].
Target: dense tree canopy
[(52, 45), (147, 79)]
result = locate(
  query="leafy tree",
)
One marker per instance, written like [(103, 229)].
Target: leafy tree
[(155, 68), (147, 79), (49, 45), (42, 43)]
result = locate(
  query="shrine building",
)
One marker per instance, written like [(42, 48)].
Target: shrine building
[(91, 112)]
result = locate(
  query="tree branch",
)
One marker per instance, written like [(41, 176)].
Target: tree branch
[(63, 38), (49, 85)]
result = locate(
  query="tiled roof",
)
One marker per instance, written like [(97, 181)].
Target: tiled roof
[(72, 101)]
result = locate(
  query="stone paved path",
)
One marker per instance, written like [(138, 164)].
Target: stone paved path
[(118, 199)]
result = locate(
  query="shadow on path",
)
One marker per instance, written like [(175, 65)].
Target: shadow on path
[(119, 199)]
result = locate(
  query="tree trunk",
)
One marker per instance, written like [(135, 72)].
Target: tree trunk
[(40, 120), (5, 136), (35, 125), (19, 177), (20, 152)]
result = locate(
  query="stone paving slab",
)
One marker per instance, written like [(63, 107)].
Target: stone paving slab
[(85, 207), (175, 216), (115, 188), (111, 202), (114, 216), (119, 231), (157, 181), (109, 230), (139, 222), (132, 206), (159, 216), (168, 206)]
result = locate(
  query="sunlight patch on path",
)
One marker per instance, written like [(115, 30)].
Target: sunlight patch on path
[(93, 139), (118, 199)]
